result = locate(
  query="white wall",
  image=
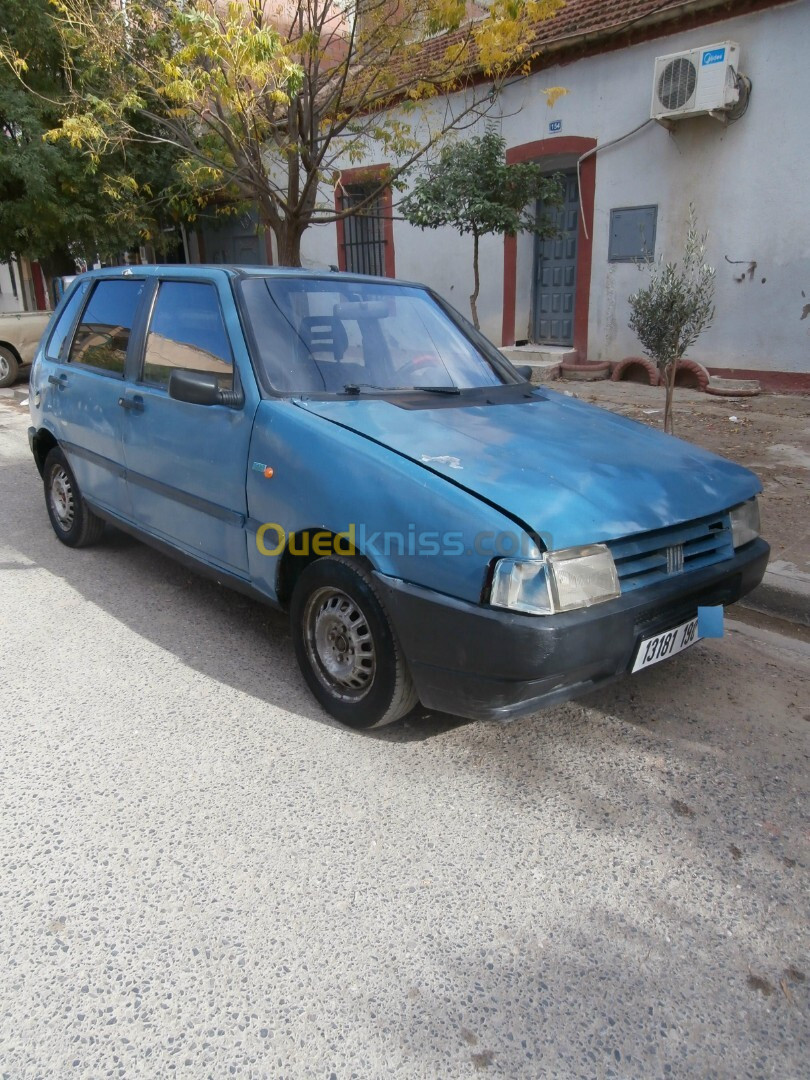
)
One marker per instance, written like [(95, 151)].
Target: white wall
[(436, 257), (8, 301), (748, 183)]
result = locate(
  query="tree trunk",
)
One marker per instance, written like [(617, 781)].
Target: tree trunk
[(476, 283), (288, 241), (669, 383)]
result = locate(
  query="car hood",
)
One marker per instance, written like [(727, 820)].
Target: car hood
[(575, 473)]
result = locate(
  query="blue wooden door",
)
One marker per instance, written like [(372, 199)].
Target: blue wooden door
[(555, 271)]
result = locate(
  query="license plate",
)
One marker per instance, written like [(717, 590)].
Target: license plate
[(662, 646)]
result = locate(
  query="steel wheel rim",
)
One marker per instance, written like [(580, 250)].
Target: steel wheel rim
[(62, 499), (4, 368), (339, 643)]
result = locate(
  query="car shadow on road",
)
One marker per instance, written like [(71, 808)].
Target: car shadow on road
[(159, 599), (637, 782)]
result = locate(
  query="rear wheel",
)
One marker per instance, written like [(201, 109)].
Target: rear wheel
[(346, 647), (73, 521), (9, 367)]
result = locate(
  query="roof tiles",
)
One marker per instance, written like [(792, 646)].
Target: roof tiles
[(594, 16)]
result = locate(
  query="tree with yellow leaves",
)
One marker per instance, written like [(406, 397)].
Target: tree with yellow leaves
[(266, 100)]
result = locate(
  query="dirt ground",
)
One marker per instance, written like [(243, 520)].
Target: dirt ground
[(769, 434)]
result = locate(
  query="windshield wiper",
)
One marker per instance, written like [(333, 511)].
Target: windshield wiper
[(356, 388)]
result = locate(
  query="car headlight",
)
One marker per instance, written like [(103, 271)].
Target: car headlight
[(745, 524), (561, 580)]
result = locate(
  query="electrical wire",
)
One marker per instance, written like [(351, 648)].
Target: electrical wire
[(744, 85), (595, 150)]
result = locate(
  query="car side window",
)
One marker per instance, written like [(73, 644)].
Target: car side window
[(64, 324), (187, 331), (102, 336)]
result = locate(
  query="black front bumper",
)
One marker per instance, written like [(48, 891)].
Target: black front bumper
[(489, 664)]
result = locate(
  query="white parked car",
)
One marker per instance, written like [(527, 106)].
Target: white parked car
[(19, 336)]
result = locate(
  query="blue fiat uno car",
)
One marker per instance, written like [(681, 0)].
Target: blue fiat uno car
[(351, 450)]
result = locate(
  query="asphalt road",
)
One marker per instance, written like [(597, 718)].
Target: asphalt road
[(202, 876)]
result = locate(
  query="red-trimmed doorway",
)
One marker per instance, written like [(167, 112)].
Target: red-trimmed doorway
[(365, 241), (557, 154)]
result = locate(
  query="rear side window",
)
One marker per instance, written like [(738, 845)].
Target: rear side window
[(65, 322), (187, 331), (102, 336)]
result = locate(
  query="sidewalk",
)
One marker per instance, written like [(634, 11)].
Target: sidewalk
[(769, 434)]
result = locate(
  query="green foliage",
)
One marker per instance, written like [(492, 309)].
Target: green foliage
[(471, 188), (267, 103), (57, 203), (33, 175), (673, 310)]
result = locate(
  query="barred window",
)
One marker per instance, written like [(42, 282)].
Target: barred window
[(364, 232)]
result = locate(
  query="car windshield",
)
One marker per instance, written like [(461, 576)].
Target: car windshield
[(316, 335)]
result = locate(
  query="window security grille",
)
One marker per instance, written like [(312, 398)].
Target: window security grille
[(363, 232)]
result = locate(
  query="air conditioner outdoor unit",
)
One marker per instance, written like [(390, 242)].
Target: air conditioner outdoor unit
[(696, 82)]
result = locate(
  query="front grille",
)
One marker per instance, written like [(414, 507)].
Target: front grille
[(668, 553)]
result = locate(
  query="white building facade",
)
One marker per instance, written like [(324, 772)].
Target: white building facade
[(747, 182)]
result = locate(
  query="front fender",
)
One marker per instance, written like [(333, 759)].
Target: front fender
[(409, 522)]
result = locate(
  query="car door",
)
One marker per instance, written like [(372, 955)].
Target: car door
[(186, 463), (85, 387)]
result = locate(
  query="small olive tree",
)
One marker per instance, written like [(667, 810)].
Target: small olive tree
[(673, 310), (471, 188)]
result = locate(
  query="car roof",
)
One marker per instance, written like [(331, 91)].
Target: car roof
[(232, 271)]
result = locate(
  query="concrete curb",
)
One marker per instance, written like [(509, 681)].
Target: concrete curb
[(784, 593)]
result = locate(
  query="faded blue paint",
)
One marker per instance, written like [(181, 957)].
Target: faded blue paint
[(194, 476), (327, 477), (571, 470)]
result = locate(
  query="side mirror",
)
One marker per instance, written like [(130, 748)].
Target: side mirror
[(196, 387), (525, 371)]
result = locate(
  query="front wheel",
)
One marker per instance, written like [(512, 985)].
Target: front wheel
[(346, 647), (73, 521)]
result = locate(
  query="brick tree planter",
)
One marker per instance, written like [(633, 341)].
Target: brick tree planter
[(733, 387), (585, 372), (636, 369), (690, 375)]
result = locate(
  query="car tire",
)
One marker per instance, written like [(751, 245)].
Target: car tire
[(73, 521), (346, 646), (9, 367)]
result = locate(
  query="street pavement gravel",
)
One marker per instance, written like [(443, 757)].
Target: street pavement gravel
[(201, 875)]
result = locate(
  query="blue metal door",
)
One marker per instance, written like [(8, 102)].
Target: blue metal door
[(186, 463), (555, 271), (86, 388)]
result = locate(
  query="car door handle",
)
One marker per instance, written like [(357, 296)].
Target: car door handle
[(134, 404), (57, 380)]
